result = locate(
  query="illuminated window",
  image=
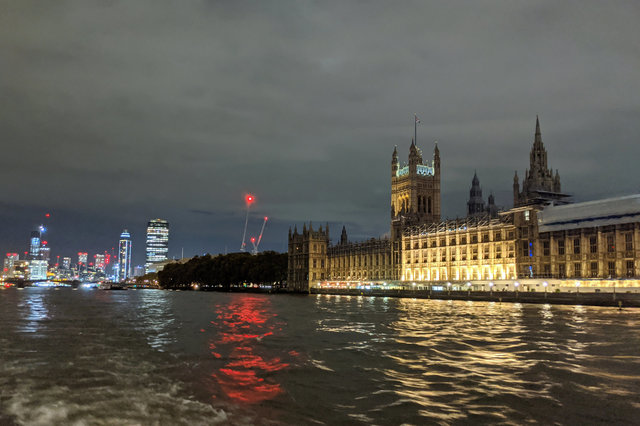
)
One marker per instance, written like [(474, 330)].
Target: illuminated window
[(611, 245), (526, 215)]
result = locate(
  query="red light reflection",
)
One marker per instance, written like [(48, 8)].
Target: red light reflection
[(247, 376)]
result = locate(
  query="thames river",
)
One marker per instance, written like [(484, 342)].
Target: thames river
[(159, 357)]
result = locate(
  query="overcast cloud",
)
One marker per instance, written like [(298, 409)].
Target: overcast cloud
[(116, 112)]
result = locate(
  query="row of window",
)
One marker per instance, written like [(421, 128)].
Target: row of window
[(442, 242), (593, 271), (576, 244), (462, 254)]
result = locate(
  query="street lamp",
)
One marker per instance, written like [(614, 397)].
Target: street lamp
[(516, 284), (545, 284), (491, 288), (577, 287), (449, 288), (468, 289)]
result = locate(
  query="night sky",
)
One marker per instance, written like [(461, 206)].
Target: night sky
[(116, 112)]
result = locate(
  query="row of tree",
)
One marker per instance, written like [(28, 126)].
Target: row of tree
[(226, 271)]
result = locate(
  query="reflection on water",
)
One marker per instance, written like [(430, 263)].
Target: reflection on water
[(34, 312), (154, 357), (240, 328)]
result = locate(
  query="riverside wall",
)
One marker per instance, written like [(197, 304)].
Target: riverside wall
[(620, 299)]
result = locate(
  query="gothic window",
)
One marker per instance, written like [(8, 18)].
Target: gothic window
[(562, 273), (594, 269), (593, 244), (612, 269), (611, 246), (630, 268), (576, 270), (576, 246), (628, 242), (561, 247)]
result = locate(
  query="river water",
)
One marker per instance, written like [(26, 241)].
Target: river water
[(159, 357)]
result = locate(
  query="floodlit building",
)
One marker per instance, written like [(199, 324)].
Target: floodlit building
[(157, 242), (542, 240), (124, 256)]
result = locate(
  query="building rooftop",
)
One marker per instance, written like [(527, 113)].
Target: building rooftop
[(604, 212)]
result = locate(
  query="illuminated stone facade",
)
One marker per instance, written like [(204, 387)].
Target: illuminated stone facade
[(539, 238), (477, 248), (367, 260)]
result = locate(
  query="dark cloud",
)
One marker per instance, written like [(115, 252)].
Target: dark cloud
[(113, 113)]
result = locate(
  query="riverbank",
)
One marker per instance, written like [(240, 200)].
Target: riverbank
[(593, 299)]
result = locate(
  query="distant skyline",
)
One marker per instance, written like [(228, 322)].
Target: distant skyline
[(116, 113)]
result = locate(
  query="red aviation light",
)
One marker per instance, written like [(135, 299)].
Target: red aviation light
[(44, 243), (249, 199), (253, 239), (266, 218), (47, 215)]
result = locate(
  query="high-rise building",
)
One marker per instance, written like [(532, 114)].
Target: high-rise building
[(98, 262), (66, 263), (34, 245), (157, 242), (45, 251), (124, 256), (82, 261), (9, 264)]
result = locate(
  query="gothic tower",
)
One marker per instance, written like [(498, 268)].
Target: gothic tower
[(415, 194), (475, 205), (539, 183)]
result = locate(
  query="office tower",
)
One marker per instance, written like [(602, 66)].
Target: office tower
[(34, 245), (157, 242), (66, 263), (98, 262), (82, 261), (138, 271), (9, 264), (45, 252), (38, 269), (124, 256)]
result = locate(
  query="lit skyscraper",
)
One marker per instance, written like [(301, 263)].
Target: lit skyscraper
[(66, 263), (34, 245), (124, 256), (98, 263), (157, 242)]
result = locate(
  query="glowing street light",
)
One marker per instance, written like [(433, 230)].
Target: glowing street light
[(577, 287), (545, 284)]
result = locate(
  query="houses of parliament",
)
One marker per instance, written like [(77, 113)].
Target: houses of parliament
[(545, 239)]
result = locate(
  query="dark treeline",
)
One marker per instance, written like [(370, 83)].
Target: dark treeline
[(226, 271)]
